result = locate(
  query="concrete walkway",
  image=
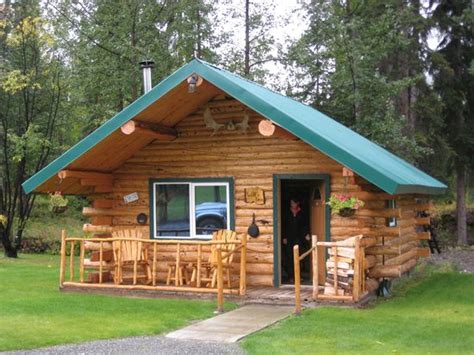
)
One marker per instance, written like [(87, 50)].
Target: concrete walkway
[(234, 325)]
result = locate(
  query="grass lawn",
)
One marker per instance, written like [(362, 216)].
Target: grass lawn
[(433, 315), (33, 313)]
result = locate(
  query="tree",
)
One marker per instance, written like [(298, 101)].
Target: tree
[(106, 40), (256, 22), (454, 82), (30, 93), (362, 63)]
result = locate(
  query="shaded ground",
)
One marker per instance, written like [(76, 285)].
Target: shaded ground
[(140, 345), (461, 259)]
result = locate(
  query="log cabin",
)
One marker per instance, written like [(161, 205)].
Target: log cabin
[(206, 149)]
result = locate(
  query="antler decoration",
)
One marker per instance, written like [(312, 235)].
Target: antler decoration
[(244, 124), (209, 121)]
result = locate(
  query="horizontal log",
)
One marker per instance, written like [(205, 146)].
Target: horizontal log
[(89, 228), (423, 252), (423, 221), (64, 174), (410, 254), (423, 235), (154, 130), (387, 212)]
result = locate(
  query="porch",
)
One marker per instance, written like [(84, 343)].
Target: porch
[(208, 269)]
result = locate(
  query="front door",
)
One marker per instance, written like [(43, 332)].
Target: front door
[(300, 212)]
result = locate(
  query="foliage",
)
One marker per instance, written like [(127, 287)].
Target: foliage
[(340, 201), (3, 220), (35, 314), (57, 200), (105, 41), (250, 46), (434, 312), (362, 63), (30, 97)]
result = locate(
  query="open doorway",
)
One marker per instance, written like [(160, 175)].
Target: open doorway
[(301, 213)]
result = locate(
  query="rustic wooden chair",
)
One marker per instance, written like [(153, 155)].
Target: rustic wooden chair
[(130, 255), (181, 277), (210, 267)]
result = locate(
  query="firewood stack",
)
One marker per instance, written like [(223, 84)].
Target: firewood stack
[(343, 272)]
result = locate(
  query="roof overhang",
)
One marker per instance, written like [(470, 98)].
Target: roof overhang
[(370, 161)]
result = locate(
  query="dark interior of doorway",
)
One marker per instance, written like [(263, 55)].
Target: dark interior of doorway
[(306, 191)]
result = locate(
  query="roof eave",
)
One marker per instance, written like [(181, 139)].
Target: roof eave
[(109, 127)]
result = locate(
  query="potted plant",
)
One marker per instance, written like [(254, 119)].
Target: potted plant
[(344, 205), (57, 203)]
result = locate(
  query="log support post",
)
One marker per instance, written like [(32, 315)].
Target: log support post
[(243, 266), (62, 265), (296, 260), (315, 256), (220, 281)]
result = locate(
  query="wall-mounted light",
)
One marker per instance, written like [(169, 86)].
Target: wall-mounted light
[(193, 82)]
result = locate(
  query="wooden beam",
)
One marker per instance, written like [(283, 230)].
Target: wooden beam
[(267, 129), (157, 131), (64, 174)]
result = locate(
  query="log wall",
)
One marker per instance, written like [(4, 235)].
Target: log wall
[(251, 160)]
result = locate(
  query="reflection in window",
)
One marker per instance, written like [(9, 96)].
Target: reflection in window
[(391, 221), (172, 210), (189, 210), (210, 208)]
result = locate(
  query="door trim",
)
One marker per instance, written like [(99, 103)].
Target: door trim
[(326, 178)]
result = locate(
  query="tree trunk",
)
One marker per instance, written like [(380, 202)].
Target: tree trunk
[(10, 250), (247, 39), (460, 204)]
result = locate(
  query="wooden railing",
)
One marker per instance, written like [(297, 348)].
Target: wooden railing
[(353, 249), (68, 250)]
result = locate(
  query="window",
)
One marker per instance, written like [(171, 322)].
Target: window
[(391, 221), (190, 209)]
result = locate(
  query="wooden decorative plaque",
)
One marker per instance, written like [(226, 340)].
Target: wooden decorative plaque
[(255, 195)]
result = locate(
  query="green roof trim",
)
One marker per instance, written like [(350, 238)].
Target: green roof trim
[(367, 159)]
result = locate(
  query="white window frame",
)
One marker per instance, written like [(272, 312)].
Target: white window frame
[(192, 208)]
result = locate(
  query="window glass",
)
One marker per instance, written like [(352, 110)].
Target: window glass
[(172, 210), (391, 221), (210, 208)]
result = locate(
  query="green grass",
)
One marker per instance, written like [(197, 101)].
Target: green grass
[(433, 315), (33, 313)]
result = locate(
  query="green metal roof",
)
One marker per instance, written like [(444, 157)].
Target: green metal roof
[(367, 159)]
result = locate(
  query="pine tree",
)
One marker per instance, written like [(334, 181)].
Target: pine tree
[(454, 82)]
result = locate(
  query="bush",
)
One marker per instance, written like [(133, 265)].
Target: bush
[(445, 226)]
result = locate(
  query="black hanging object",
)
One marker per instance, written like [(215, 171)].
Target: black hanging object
[(253, 230), (142, 218)]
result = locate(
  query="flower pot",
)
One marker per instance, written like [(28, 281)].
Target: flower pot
[(58, 209), (346, 212)]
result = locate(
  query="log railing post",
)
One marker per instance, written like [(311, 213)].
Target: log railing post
[(220, 281), (177, 268), (71, 261), (357, 281), (314, 245), (335, 274), (135, 260), (153, 268), (243, 266), (296, 260), (81, 261), (101, 260), (198, 266), (62, 264)]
